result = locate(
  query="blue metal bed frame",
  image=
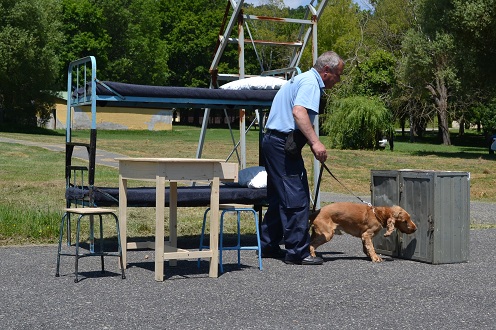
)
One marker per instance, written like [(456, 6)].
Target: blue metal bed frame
[(84, 89)]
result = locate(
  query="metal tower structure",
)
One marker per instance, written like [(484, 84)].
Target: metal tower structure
[(235, 17)]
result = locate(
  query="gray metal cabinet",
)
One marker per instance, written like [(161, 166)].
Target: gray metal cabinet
[(439, 204)]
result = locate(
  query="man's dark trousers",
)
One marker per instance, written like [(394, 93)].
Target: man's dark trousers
[(288, 197)]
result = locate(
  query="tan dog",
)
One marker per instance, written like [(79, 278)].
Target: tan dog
[(360, 220)]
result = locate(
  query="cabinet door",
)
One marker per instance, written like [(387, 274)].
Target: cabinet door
[(417, 198), (385, 192), (452, 217)]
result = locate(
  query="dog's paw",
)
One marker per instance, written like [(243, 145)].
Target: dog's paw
[(377, 259)]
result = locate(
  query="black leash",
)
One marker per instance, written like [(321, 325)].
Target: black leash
[(318, 188), (322, 166)]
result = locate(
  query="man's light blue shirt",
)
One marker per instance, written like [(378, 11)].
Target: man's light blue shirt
[(304, 90)]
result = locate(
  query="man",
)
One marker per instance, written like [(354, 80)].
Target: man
[(288, 129)]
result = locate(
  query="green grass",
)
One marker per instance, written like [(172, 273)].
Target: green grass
[(27, 225), (32, 179)]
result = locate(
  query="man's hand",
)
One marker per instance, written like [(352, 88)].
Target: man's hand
[(319, 151)]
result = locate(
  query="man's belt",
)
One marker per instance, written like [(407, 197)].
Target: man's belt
[(278, 134)]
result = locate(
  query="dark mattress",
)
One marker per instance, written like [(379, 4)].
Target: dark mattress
[(186, 196), (132, 95), (184, 92)]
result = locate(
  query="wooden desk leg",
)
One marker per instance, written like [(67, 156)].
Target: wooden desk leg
[(173, 219), (159, 228), (214, 229), (123, 218)]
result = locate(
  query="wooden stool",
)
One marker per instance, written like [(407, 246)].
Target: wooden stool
[(90, 212), (235, 208)]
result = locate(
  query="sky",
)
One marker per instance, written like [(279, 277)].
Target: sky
[(364, 4)]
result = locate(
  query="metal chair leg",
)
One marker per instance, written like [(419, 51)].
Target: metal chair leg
[(238, 219), (257, 230), (101, 244), (61, 235), (76, 273), (119, 247), (202, 234)]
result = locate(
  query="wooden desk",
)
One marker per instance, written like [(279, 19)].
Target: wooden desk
[(173, 170)]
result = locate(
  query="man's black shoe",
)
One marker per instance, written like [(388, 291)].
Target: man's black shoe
[(277, 254), (307, 261), (312, 261)]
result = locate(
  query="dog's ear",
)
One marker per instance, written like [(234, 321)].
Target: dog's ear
[(390, 226), (391, 214), (313, 216)]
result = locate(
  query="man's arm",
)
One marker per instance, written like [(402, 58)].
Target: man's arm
[(302, 120)]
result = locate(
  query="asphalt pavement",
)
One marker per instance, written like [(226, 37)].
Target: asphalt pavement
[(347, 292)]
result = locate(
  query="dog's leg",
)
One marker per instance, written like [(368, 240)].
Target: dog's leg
[(318, 238), (368, 247)]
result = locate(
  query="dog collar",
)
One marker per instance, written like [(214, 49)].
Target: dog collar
[(376, 216)]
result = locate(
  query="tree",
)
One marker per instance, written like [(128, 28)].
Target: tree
[(429, 61), (29, 42), (124, 36), (189, 31), (357, 122), (472, 24), (379, 63), (488, 117), (375, 75), (339, 28), (387, 24), (137, 53), (83, 26)]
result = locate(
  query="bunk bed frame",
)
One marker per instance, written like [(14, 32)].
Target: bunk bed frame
[(85, 89)]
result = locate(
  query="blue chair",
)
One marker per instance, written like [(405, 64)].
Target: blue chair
[(233, 208)]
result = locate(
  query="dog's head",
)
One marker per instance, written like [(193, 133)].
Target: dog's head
[(399, 218)]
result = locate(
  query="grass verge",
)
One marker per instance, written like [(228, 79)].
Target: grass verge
[(32, 178)]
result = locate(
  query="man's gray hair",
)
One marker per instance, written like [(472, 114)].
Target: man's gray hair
[(330, 58)]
